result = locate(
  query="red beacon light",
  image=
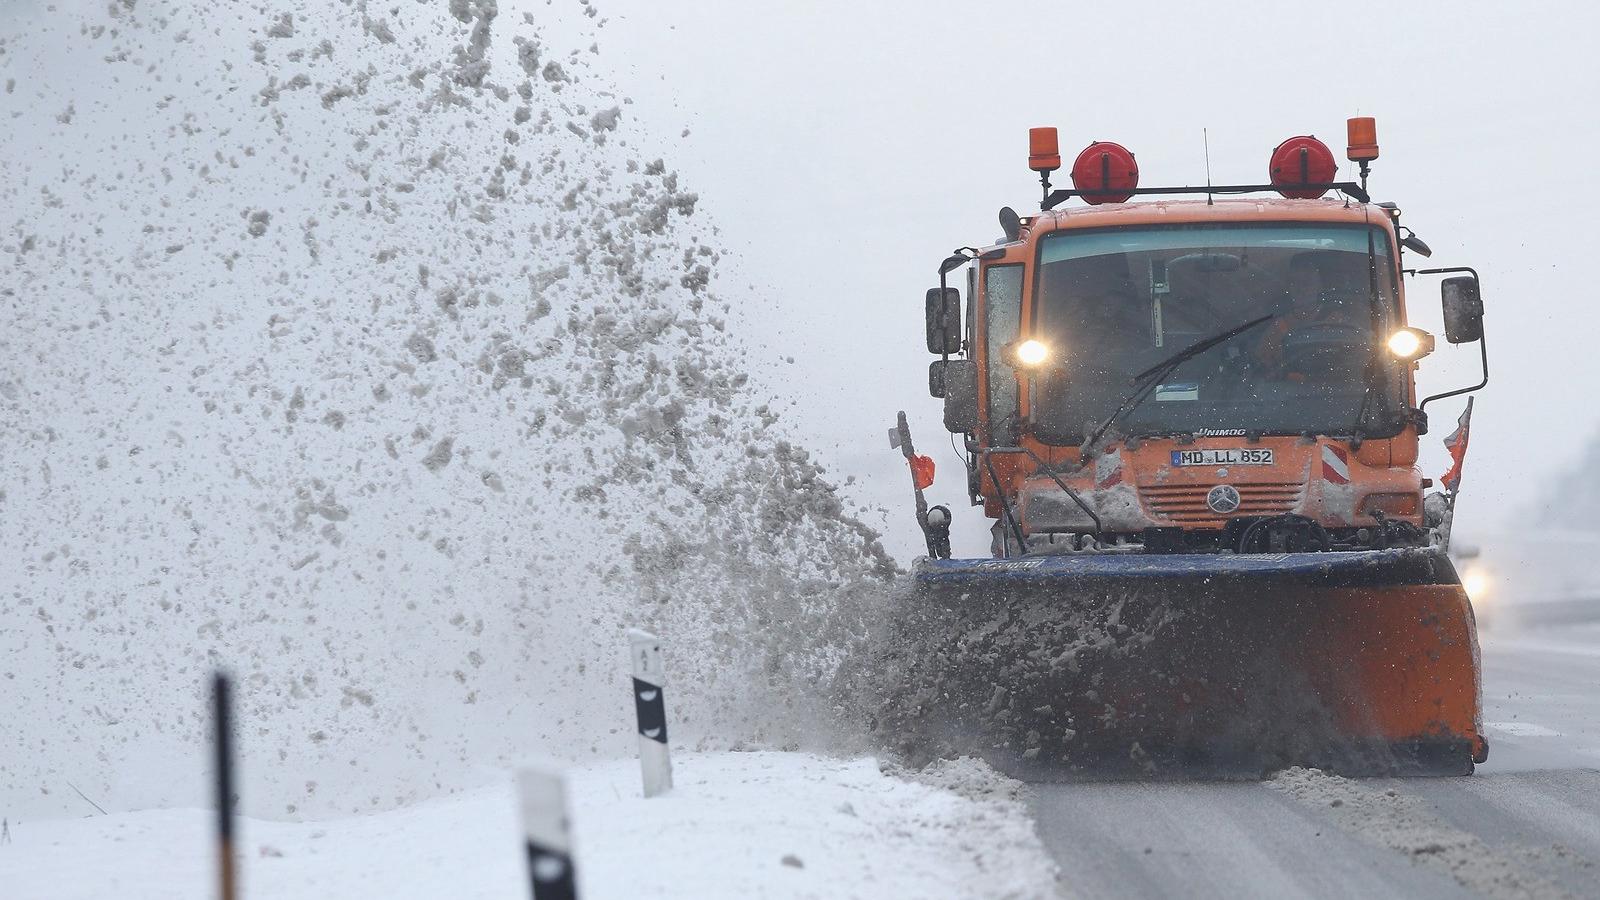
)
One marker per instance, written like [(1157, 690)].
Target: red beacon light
[(1300, 162), (1105, 173)]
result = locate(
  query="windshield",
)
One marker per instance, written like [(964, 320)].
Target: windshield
[(1114, 303), (1002, 287)]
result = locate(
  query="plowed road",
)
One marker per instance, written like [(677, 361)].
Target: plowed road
[(1527, 824)]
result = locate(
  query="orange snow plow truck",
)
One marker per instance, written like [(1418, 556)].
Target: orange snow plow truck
[(1192, 414)]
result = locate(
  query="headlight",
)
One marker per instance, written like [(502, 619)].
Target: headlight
[(1476, 583), (1410, 343), (1032, 354)]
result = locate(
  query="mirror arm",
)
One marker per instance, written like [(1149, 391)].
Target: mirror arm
[(944, 301), (1447, 270), (952, 262), (1483, 346)]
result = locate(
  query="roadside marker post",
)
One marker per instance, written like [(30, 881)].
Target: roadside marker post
[(650, 706), (222, 719), (547, 834)]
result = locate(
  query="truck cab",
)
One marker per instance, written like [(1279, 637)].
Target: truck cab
[(1195, 374)]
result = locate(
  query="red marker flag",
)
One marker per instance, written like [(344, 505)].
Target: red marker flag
[(1456, 443), (921, 471)]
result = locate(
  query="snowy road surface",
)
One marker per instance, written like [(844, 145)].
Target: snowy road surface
[(1526, 825)]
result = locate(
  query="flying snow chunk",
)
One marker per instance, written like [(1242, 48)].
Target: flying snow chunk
[(606, 119)]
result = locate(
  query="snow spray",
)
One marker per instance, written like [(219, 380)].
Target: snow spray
[(379, 356)]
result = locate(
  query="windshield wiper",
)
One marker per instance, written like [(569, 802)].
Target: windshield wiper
[(1146, 381)]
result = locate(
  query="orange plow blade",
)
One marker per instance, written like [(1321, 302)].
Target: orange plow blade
[(1188, 664), (1399, 665)]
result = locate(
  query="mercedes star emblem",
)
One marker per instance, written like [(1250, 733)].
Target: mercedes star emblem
[(1223, 499)]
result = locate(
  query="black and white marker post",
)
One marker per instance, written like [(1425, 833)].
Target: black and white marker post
[(548, 836), (222, 719), (651, 706)]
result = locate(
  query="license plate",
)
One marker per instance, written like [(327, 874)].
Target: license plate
[(1236, 456)]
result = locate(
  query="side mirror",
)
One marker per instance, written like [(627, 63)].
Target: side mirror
[(1417, 245), (936, 377), (1463, 309), (960, 396), (943, 309)]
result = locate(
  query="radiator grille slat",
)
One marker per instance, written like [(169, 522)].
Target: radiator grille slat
[(1186, 504)]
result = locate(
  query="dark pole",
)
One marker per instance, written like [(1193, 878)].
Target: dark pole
[(222, 715)]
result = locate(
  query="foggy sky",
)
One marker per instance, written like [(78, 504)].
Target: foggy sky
[(846, 147)]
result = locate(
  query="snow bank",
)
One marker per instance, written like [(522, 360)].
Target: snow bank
[(374, 354), (760, 824)]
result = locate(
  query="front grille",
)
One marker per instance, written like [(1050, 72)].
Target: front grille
[(1186, 504)]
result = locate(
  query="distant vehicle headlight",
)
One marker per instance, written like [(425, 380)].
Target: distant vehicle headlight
[(1477, 584)]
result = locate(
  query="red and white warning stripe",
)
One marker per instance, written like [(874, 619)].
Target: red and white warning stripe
[(1335, 464), (1108, 469)]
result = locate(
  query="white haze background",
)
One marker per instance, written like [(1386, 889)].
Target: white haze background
[(848, 147)]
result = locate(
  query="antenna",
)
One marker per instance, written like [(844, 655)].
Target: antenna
[(1206, 138)]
